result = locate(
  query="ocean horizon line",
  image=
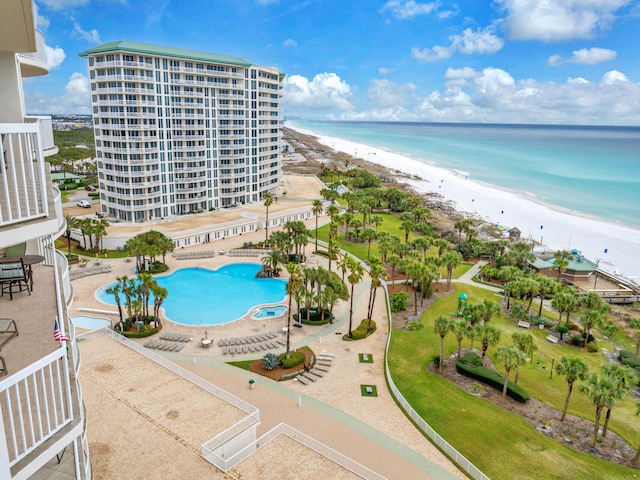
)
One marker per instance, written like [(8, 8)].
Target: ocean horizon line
[(471, 124)]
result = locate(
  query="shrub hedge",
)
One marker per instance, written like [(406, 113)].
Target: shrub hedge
[(314, 317), (295, 359), (630, 359), (470, 365), (361, 331)]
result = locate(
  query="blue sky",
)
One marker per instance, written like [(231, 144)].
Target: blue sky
[(497, 61)]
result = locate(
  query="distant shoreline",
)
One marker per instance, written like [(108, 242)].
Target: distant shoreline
[(613, 245)]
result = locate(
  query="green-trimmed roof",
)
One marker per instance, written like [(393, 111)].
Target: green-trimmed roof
[(580, 264), (540, 264), (149, 49)]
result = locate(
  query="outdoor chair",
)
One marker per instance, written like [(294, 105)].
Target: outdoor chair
[(14, 274), (8, 327), (16, 250)]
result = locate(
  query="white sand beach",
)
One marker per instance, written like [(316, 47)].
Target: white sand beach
[(614, 246)]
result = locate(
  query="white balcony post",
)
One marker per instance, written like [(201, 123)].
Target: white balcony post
[(5, 465)]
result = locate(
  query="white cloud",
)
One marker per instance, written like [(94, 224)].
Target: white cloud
[(54, 55), (62, 4), (578, 80), (384, 93), (452, 12), (493, 95), (408, 8), (290, 43), (592, 56), (558, 20), (555, 60), (459, 77), (468, 43), (385, 71), (92, 36), (464, 72), (613, 77), (432, 54), (76, 99), (41, 21), (325, 91), (584, 56)]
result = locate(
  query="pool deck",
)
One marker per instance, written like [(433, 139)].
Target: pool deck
[(370, 430)]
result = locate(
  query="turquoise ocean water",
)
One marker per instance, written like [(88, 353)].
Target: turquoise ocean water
[(592, 170)]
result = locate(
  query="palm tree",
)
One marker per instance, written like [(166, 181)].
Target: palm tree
[(490, 309), (450, 260), (422, 244), (293, 286), (511, 357), (356, 273), (159, 295), (71, 223), (407, 225), (508, 275), (460, 329), (590, 319), (565, 302), (624, 380), (561, 260), (378, 273), (442, 245), (268, 200), (546, 286), (573, 369), (394, 261), (489, 335), (116, 290), (368, 235), (376, 220), (598, 388), (526, 343), (442, 326), (462, 225), (316, 209), (343, 264)]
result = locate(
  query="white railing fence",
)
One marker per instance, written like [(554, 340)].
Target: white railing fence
[(35, 405), (23, 183), (446, 447), (307, 441)]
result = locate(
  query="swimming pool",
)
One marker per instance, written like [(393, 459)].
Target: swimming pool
[(89, 323), (200, 296), (270, 312)]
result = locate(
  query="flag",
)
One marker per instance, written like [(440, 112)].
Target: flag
[(57, 335)]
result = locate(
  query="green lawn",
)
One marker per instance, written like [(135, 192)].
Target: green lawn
[(390, 224), (473, 425)]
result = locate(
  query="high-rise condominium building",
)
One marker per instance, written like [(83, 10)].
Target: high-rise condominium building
[(180, 131)]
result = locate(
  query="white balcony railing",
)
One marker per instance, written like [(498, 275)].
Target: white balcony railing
[(46, 133), (37, 405), (23, 183)]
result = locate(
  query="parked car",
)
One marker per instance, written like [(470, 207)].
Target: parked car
[(84, 204), (90, 188)]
